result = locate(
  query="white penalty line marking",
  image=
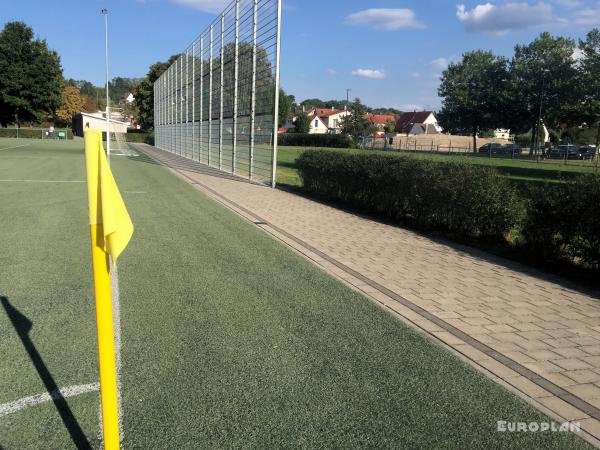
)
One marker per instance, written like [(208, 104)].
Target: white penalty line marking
[(41, 181), (15, 146), (33, 400)]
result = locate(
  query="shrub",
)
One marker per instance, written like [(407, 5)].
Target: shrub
[(457, 197), (136, 137), (31, 133), (563, 219), (315, 140)]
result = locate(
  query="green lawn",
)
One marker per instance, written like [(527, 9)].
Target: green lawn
[(514, 169), (229, 338)]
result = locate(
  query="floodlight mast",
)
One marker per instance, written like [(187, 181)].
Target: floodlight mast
[(104, 12)]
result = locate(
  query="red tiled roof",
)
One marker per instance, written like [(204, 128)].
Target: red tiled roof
[(380, 118), (408, 119), (326, 112)]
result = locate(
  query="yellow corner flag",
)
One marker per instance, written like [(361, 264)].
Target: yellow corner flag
[(110, 230)]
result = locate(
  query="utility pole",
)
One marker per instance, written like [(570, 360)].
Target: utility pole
[(104, 12), (348, 98)]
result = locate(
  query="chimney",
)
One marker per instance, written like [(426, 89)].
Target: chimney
[(332, 108)]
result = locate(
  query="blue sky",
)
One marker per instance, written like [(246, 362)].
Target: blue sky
[(389, 52)]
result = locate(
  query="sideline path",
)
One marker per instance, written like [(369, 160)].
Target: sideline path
[(524, 329)]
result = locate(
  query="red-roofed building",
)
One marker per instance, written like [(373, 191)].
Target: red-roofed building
[(380, 120), (418, 122), (326, 120)]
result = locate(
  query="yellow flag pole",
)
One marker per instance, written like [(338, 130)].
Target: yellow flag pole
[(106, 346)]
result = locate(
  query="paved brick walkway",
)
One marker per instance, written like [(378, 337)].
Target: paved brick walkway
[(526, 330)]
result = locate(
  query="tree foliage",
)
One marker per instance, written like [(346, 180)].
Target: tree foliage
[(356, 124), (30, 76), (73, 103), (144, 93), (544, 72), (302, 123), (590, 77), (285, 107), (472, 93)]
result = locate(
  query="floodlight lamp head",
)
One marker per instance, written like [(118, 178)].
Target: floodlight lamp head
[(104, 11)]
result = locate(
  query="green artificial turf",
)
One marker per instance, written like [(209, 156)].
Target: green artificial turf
[(518, 170), (229, 338)]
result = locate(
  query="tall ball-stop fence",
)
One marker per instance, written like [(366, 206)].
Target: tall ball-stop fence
[(218, 102)]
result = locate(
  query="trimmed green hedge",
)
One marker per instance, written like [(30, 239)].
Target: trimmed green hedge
[(31, 133), (136, 137), (457, 197), (563, 219), (315, 140)]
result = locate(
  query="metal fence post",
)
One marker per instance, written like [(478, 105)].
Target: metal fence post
[(201, 96), (221, 92), (253, 92), (210, 94), (235, 87), (276, 109), (193, 100)]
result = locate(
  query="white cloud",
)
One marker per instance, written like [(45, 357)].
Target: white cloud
[(588, 16), (331, 71), (408, 107), (500, 19), (389, 19), (441, 63), (415, 74), (211, 6), (568, 3), (369, 73)]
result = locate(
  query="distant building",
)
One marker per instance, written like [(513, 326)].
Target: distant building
[(322, 120), (97, 121), (380, 120), (418, 122), (318, 124), (502, 133), (127, 98), (331, 118)]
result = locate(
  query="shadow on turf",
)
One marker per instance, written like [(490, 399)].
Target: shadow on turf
[(189, 165), (22, 326)]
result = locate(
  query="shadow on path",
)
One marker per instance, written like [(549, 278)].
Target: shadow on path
[(22, 326)]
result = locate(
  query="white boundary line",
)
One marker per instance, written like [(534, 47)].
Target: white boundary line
[(33, 400), (42, 181), (15, 146)]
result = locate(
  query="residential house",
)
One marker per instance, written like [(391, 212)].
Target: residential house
[(318, 125), (418, 122), (502, 133), (326, 120), (127, 98), (380, 120)]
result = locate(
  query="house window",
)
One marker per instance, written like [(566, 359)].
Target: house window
[(316, 123), (335, 123)]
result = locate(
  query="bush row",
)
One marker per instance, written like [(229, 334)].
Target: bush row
[(315, 140), (31, 133), (552, 220), (457, 197), (563, 219)]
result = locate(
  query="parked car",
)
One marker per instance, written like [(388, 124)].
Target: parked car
[(570, 151), (587, 152), (491, 149), (512, 149)]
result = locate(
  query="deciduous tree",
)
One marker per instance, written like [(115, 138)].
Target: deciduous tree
[(30, 76), (543, 77), (73, 103), (356, 124), (472, 93), (302, 123), (590, 76)]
